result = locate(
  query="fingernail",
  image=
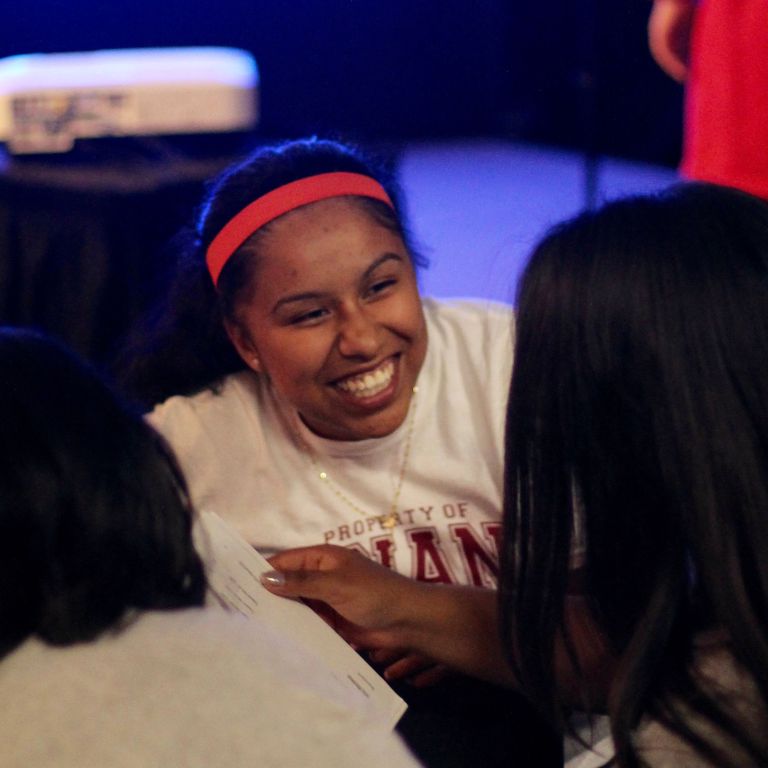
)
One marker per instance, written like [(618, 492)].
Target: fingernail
[(273, 578)]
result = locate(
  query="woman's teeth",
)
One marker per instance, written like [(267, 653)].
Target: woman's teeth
[(371, 383)]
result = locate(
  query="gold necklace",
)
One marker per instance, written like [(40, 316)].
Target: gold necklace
[(388, 519)]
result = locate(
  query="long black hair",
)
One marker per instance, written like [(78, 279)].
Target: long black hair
[(639, 407), (94, 515), (183, 346)]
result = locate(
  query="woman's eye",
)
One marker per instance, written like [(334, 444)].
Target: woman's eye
[(309, 317), (380, 286)]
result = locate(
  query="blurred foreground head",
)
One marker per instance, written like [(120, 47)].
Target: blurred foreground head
[(94, 517), (639, 401)]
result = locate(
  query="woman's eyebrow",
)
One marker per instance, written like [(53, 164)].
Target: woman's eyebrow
[(374, 265)]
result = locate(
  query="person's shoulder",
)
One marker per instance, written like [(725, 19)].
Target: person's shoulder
[(255, 663), (213, 683), (481, 329), (723, 680), (462, 310), (223, 397), (189, 650)]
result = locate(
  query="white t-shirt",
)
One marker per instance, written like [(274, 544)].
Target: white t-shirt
[(197, 688), (248, 457)]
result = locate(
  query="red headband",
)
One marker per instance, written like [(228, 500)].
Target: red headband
[(281, 200)]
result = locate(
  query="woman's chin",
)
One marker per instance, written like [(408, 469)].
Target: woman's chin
[(364, 424)]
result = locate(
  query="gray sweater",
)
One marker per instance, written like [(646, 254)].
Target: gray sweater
[(195, 688)]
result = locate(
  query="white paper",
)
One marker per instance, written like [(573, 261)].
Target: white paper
[(233, 568)]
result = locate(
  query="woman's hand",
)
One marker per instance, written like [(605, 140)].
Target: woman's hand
[(408, 625), (362, 600), (669, 34), (375, 608)]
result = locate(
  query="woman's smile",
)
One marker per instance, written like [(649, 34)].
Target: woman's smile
[(364, 386)]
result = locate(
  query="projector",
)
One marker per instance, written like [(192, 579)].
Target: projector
[(47, 101)]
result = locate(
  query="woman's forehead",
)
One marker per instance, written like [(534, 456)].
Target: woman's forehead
[(334, 212), (338, 231)]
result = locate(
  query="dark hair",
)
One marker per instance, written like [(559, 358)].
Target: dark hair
[(94, 515), (183, 347), (640, 398)]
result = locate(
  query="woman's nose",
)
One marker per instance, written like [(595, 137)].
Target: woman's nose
[(359, 334)]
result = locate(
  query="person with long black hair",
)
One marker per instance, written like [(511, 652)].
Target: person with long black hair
[(637, 466)]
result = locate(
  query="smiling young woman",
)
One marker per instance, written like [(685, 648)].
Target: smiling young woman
[(305, 384), (313, 396), (335, 320)]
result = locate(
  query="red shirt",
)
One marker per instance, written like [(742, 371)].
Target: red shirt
[(726, 111)]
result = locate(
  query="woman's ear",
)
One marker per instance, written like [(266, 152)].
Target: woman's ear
[(243, 344)]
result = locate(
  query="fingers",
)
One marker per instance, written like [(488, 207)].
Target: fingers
[(407, 666), (311, 584), (385, 656), (364, 593), (367, 595), (404, 668), (323, 557), (430, 676), (416, 669), (669, 30), (343, 606), (311, 572)]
